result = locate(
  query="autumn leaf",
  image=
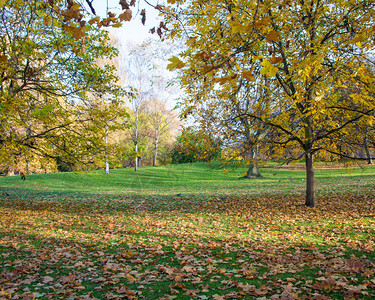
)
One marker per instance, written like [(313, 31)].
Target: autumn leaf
[(268, 68), (248, 75), (3, 58), (76, 32), (175, 63), (124, 4), (273, 36), (264, 21), (143, 14), (94, 20), (275, 59), (191, 41), (126, 16), (48, 279)]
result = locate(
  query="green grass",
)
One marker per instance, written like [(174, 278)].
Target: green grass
[(188, 179), (129, 235)]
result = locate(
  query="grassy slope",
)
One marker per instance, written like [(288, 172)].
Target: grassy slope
[(128, 235), (187, 179)]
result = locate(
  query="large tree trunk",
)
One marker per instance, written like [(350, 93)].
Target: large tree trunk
[(368, 155), (310, 180), (253, 170)]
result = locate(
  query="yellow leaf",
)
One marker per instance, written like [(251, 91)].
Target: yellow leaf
[(175, 63), (268, 68), (2, 2), (237, 28), (171, 1), (358, 38), (130, 278), (191, 41), (117, 25), (96, 19), (264, 21), (248, 75), (273, 36), (76, 6)]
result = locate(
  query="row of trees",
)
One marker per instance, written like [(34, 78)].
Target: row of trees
[(67, 100), (54, 97), (295, 75)]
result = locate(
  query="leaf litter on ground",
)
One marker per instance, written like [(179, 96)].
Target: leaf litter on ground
[(267, 246)]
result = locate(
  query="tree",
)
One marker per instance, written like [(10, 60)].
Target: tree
[(159, 119), (139, 77), (193, 145), (306, 49), (49, 79)]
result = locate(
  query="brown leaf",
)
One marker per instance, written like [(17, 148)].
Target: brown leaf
[(75, 32), (159, 32), (143, 14), (124, 4), (275, 59), (3, 58), (47, 279), (273, 36), (126, 16)]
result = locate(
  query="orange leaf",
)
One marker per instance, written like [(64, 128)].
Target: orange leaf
[(273, 36), (275, 59), (248, 75)]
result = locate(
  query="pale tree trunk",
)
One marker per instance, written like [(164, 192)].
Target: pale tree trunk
[(136, 140), (253, 170), (106, 156), (136, 157), (155, 151)]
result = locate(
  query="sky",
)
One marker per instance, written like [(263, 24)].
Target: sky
[(133, 31)]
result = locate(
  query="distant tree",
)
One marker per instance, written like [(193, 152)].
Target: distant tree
[(194, 146)]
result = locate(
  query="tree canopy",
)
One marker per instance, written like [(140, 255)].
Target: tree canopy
[(308, 50), (52, 89)]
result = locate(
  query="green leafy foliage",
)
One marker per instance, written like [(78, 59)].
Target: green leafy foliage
[(55, 99), (193, 146)]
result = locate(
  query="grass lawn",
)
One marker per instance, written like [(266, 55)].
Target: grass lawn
[(190, 231)]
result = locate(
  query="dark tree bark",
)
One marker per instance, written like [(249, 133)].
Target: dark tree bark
[(310, 180), (368, 154)]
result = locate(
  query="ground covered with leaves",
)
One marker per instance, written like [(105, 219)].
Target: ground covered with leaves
[(187, 247)]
